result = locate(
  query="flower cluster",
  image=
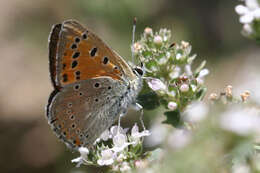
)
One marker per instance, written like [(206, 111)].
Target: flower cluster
[(115, 148), (250, 18), (169, 73), (227, 136)]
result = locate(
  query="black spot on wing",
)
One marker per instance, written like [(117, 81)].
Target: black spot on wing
[(93, 51)]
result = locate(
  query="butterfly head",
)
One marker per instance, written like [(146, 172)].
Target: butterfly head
[(139, 70)]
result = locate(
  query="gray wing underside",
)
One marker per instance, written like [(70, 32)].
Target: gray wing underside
[(80, 112)]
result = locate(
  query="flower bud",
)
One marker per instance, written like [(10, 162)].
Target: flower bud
[(157, 40), (245, 95), (213, 96), (156, 84), (228, 91), (172, 106), (184, 88), (148, 31)]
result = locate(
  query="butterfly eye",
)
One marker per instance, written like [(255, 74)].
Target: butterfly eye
[(138, 71)]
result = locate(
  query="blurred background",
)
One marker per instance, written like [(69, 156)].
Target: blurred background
[(27, 143)]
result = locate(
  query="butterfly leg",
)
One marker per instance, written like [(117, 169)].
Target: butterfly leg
[(119, 119), (139, 107)]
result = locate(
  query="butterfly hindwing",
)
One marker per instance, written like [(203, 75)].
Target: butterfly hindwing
[(80, 112)]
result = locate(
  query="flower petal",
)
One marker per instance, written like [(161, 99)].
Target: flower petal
[(241, 9), (156, 84), (248, 18)]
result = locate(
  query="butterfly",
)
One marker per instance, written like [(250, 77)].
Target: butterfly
[(93, 85)]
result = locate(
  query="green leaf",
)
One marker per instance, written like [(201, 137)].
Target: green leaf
[(149, 100), (173, 118)]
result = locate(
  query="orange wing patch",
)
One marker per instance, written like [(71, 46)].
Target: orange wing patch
[(84, 60), (82, 55)]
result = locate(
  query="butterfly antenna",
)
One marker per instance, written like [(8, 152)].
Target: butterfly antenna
[(133, 39)]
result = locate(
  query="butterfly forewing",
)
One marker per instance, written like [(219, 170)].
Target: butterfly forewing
[(81, 55), (53, 40)]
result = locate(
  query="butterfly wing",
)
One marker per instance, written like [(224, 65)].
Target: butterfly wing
[(77, 54), (83, 110)]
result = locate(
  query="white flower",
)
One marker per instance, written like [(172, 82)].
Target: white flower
[(172, 93), (252, 4), (84, 152), (240, 168), (78, 160), (247, 29), (162, 60), (121, 157), (185, 44), (120, 142), (241, 121), (141, 164), (148, 31), (83, 156), (107, 157), (114, 130), (137, 47), (184, 88), (175, 72), (178, 139), (178, 56), (249, 12), (257, 13), (156, 84), (213, 96), (125, 167), (204, 72), (193, 87), (247, 18), (172, 106), (158, 135), (105, 135), (196, 112), (188, 69), (200, 81), (241, 9), (158, 40), (136, 135)]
